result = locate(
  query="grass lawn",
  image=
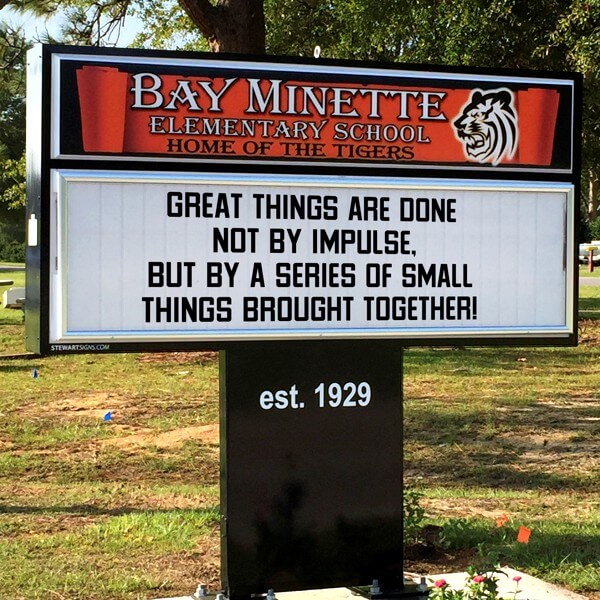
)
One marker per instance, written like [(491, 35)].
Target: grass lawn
[(584, 271), (128, 508), (11, 320)]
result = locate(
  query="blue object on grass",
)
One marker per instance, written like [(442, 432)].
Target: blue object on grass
[(108, 417)]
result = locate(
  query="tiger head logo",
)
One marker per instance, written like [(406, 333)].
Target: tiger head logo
[(487, 126)]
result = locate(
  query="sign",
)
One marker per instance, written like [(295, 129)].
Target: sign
[(229, 111), (216, 257), (185, 200), (311, 495)]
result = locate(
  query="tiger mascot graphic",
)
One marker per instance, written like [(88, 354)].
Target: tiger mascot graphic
[(487, 126)]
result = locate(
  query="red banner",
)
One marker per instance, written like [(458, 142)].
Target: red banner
[(146, 113)]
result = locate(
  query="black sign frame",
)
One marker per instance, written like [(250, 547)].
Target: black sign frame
[(43, 161)]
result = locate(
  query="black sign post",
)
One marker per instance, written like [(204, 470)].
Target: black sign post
[(311, 457)]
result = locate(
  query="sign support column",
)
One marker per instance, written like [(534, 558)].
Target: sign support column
[(311, 461)]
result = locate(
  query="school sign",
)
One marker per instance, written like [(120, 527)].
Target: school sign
[(181, 199), (310, 219)]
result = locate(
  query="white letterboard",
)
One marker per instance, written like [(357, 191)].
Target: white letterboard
[(166, 256)]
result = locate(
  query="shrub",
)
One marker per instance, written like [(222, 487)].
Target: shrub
[(12, 251), (595, 229), (414, 514), (12, 238)]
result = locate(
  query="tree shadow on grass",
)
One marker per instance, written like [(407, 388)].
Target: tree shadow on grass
[(542, 446), (487, 361), (9, 368), (89, 510), (546, 549)]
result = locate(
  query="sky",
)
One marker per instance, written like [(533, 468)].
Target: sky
[(35, 26), (32, 25)]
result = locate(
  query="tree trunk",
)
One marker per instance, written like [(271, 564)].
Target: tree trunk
[(593, 199), (229, 25)]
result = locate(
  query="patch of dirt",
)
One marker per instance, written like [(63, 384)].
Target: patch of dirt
[(128, 421), (205, 434), (463, 507), (548, 446), (427, 557), (92, 404), (180, 358), (589, 332), (566, 436), (57, 502), (540, 444), (181, 572), (31, 526), (586, 402), (494, 508), (426, 560)]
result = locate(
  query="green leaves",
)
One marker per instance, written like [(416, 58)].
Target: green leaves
[(12, 182)]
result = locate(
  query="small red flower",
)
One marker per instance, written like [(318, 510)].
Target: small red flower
[(478, 579), (440, 583), (517, 578)]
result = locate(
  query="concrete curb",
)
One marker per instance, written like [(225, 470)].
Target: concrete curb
[(530, 588)]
